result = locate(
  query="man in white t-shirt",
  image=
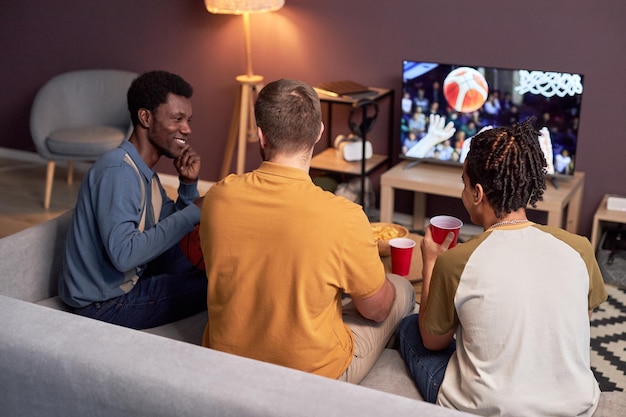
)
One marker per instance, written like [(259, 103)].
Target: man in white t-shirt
[(503, 325)]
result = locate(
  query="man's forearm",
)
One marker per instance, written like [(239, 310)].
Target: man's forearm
[(431, 341), (427, 271)]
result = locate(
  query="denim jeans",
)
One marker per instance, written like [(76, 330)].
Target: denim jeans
[(427, 367), (170, 289)]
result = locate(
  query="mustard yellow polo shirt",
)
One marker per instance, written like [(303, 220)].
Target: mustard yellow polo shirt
[(279, 252)]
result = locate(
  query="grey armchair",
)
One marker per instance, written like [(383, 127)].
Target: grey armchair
[(79, 115)]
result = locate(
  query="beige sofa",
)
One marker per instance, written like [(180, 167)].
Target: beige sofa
[(56, 363)]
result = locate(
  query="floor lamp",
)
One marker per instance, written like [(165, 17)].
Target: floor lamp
[(243, 126)]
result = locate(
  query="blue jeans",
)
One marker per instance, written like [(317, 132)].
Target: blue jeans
[(427, 367), (170, 289)]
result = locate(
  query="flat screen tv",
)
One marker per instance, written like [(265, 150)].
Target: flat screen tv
[(445, 105)]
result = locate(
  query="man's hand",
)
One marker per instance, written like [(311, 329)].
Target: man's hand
[(188, 165), (431, 250), (438, 131)]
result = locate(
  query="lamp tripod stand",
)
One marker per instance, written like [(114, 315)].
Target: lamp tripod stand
[(243, 125)]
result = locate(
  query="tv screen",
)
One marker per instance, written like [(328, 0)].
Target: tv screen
[(445, 105)]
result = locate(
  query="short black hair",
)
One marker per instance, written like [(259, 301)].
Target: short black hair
[(150, 90), (509, 164)]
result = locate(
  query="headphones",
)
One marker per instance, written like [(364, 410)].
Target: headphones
[(368, 119)]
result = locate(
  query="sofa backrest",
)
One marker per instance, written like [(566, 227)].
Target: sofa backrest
[(31, 259), (57, 363)]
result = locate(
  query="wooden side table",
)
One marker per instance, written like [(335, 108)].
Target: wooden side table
[(445, 180), (604, 217)]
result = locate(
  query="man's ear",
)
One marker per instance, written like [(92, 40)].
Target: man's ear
[(144, 117), (479, 193), (262, 141), (321, 131)]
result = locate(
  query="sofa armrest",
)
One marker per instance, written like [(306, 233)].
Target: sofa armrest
[(32, 258)]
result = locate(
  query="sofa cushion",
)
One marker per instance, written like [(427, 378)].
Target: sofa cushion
[(86, 141), (389, 374), (55, 303), (186, 330)]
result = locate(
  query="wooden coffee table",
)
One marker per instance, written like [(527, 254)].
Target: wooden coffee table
[(415, 273)]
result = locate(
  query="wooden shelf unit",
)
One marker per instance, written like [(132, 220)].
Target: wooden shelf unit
[(329, 160), (603, 218)]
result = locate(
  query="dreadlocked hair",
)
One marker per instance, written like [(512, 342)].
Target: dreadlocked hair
[(509, 164)]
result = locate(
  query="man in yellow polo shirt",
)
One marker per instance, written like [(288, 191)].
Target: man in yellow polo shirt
[(281, 253)]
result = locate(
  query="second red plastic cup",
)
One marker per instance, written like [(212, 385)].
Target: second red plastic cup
[(440, 226), (401, 249)]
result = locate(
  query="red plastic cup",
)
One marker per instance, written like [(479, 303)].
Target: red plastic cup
[(440, 226), (401, 249)]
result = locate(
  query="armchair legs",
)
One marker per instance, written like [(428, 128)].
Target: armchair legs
[(49, 181), (70, 172)]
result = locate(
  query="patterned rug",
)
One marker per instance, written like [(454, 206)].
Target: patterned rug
[(608, 341)]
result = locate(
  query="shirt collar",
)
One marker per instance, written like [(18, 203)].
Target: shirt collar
[(134, 155), (272, 168)]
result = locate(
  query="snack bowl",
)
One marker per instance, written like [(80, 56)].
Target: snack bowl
[(383, 232)]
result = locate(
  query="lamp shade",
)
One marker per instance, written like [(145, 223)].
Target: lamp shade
[(242, 6)]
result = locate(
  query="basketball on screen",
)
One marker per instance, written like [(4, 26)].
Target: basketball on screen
[(465, 89)]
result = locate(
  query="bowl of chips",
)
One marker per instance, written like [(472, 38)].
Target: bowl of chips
[(383, 232)]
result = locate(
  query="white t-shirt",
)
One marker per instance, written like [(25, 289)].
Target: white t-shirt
[(518, 297)]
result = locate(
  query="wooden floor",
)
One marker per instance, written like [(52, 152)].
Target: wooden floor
[(22, 185)]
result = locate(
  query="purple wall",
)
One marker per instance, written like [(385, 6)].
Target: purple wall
[(320, 41)]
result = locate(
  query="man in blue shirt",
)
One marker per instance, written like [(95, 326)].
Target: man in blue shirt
[(123, 261)]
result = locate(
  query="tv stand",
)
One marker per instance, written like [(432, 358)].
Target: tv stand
[(562, 204), (411, 164), (554, 182)]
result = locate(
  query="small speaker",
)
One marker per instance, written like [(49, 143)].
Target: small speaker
[(616, 203), (350, 148)]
